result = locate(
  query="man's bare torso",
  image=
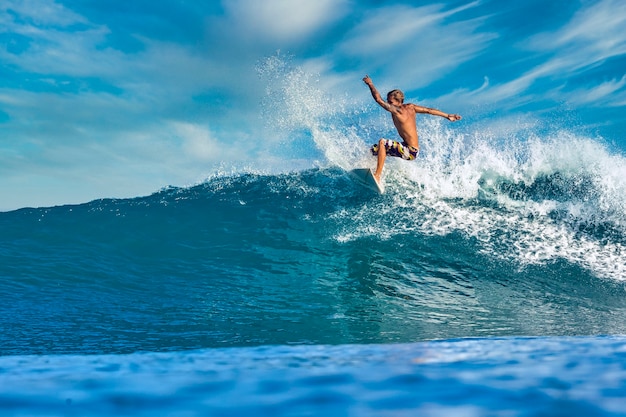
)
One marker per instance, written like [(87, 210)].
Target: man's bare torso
[(403, 117)]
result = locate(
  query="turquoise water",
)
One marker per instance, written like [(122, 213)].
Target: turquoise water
[(264, 260), (476, 377), (193, 298)]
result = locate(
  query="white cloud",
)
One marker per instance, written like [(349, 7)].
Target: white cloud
[(40, 12), (198, 142), (160, 67), (595, 33), (604, 94), (59, 52), (51, 48), (599, 28), (283, 21), (386, 28), (160, 71), (414, 46)]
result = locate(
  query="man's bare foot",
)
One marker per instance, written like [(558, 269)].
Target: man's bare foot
[(454, 117)]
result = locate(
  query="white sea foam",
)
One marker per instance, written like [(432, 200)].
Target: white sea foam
[(522, 194), (453, 189)]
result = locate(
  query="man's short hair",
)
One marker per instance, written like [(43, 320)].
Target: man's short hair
[(397, 94)]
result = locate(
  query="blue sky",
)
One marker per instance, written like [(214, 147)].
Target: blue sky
[(121, 98)]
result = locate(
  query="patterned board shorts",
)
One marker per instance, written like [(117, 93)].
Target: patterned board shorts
[(397, 149)]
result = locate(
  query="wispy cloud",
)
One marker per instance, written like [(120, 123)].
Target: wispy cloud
[(594, 34), (415, 45), (282, 21), (610, 93), (39, 12)]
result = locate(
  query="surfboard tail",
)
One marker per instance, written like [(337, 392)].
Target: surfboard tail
[(365, 177)]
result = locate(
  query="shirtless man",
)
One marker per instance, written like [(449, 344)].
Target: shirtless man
[(403, 116)]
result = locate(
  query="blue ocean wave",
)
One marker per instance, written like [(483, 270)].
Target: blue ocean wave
[(309, 257)]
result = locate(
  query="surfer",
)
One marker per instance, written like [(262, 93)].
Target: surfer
[(403, 116)]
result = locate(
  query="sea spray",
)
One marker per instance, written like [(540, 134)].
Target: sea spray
[(526, 193), (301, 111)]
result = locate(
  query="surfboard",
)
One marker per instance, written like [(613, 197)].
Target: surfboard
[(365, 176)]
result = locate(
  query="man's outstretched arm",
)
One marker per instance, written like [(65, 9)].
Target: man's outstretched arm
[(367, 80), (435, 112)]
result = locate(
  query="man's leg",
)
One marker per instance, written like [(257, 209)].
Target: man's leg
[(382, 154)]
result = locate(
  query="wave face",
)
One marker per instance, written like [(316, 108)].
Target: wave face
[(453, 249)]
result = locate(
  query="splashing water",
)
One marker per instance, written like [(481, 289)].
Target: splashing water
[(530, 196)]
